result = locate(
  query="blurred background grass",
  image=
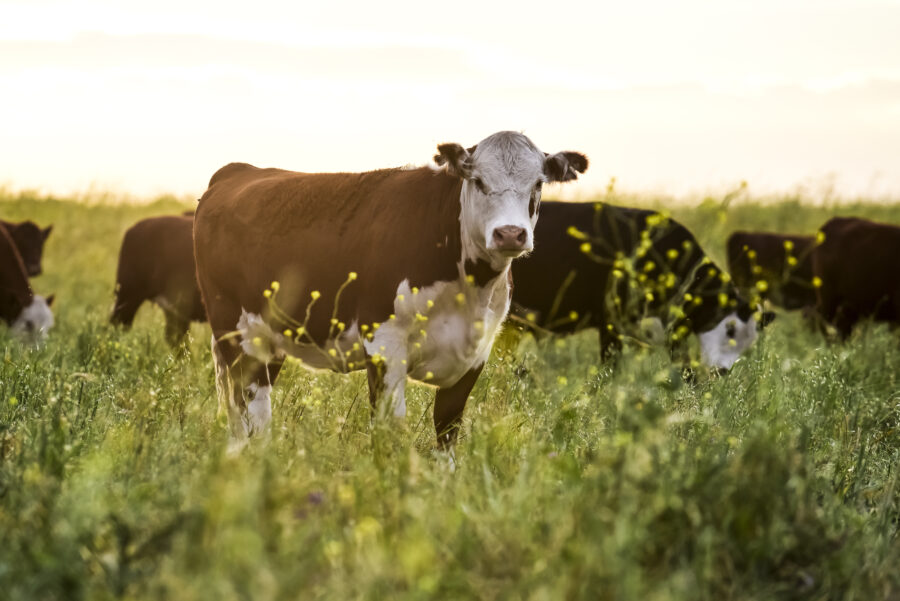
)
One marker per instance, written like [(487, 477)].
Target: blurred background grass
[(575, 480)]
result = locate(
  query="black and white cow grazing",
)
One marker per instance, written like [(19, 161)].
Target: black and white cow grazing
[(29, 239), (404, 273), (611, 268), (777, 267), (28, 315), (156, 264)]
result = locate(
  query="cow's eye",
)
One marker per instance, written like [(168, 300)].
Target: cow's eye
[(730, 330), (539, 185), (480, 185)]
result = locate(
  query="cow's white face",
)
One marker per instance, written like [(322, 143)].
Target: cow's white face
[(724, 344), (35, 320), (501, 193)]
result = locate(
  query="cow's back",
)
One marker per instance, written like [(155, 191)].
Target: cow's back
[(157, 256), (790, 285), (560, 283), (309, 231)]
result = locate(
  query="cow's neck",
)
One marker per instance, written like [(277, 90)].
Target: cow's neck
[(13, 277)]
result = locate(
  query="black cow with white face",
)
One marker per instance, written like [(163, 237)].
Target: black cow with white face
[(612, 268)]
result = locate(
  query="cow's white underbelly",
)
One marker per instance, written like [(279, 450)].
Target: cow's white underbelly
[(442, 331), (435, 335)]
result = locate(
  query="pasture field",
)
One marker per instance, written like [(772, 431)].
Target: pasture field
[(575, 479)]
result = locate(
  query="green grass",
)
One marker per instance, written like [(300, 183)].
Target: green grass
[(575, 480)]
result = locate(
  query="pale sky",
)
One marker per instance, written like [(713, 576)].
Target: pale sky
[(673, 97)]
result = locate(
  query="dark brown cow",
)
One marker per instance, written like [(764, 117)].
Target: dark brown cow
[(783, 262), (156, 263), (28, 315), (399, 272), (601, 266), (29, 240), (859, 274)]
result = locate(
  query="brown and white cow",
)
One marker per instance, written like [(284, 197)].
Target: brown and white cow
[(156, 263), (782, 261), (859, 274), (404, 273), (28, 315), (29, 239)]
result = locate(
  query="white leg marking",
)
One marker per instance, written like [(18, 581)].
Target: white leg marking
[(259, 410), (227, 404)]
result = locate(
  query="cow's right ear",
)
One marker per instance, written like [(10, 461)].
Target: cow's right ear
[(564, 166), (456, 158), (46, 231)]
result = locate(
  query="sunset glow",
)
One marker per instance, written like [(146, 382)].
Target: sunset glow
[(677, 98)]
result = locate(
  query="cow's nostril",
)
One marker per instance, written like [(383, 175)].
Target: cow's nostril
[(510, 237)]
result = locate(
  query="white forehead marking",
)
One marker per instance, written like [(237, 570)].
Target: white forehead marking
[(34, 321), (508, 161), (717, 349)]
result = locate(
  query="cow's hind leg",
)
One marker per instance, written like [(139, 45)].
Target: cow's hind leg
[(244, 389), (176, 328), (124, 309)]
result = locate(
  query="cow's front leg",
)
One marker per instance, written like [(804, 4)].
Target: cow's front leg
[(387, 380), (449, 404)]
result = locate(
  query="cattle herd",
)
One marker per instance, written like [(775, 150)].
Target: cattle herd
[(411, 273)]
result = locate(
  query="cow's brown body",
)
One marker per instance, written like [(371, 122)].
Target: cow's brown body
[(156, 263), (15, 291), (29, 240), (787, 285), (390, 271), (860, 273)]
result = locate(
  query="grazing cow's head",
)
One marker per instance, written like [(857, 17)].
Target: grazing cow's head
[(723, 345), (35, 320), (501, 192)]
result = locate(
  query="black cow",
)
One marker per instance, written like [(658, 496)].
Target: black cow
[(156, 263), (612, 268), (778, 267), (856, 267)]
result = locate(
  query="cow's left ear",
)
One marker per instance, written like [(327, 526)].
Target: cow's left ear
[(765, 318), (46, 231), (564, 166), (457, 159)]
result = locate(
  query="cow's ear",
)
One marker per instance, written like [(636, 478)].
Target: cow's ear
[(564, 166), (457, 159), (765, 318), (49, 299), (46, 231), (744, 310)]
